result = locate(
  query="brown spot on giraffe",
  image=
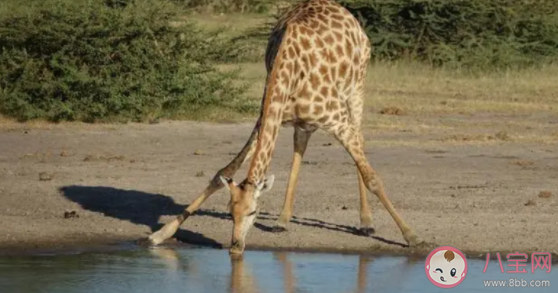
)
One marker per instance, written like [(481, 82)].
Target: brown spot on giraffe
[(343, 68), (323, 70), (332, 10), (305, 43), (339, 50), (338, 36), (317, 110), (292, 54), (329, 40), (333, 72), (324, 29), (348, 48), (318, 99), (336, 24), (289, 66), (334, 92), (314, 81), (313, 59), (314, 24), (319, 43), (337, 17), (304, 92), (332, 106), (324, 91), (296, 48)]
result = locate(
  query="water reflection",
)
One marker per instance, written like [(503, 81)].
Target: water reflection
[(164, 269), (242, 280)]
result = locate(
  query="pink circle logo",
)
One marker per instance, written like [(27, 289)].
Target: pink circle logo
[(446, 267)]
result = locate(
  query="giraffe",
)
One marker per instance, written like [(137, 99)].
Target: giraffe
[(316, 59)]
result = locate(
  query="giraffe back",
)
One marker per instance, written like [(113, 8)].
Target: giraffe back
[(320, 54)]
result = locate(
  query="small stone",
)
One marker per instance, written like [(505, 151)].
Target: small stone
[(71, 214), (64, 154), (545, 194), (88, 158), (392, 111), (45, 176), (198, 152), (200, 174), (530, 203), (344, 208), (502, 135)]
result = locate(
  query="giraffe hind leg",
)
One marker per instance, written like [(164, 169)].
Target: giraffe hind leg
[(351, 138)]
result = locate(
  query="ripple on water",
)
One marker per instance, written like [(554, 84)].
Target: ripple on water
[(206, 270)]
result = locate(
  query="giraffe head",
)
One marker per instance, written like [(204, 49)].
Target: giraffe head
[(243, 207)]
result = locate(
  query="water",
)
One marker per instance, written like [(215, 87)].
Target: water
[(207, 270)]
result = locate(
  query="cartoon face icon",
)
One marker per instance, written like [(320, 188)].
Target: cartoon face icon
[(446, 267)]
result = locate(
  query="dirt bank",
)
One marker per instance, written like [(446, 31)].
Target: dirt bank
[(77, 184)]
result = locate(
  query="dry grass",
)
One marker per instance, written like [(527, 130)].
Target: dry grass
[(453, 105), (422, 89), (236, 23), (444, 106)]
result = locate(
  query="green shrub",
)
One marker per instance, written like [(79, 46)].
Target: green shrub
[(461, 33), (227, 6), (100, 60)]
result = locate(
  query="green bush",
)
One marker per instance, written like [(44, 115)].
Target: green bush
[(108, 60), (482, 34), (227, 6)]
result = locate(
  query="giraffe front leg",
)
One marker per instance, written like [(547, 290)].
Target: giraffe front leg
[(301, 138), (169, 229), (366, 227)]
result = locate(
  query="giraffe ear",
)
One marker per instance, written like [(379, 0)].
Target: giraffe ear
[(266, 184), (227, 182)]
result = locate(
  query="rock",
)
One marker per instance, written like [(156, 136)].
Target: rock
[(45, 176), (545, 194)]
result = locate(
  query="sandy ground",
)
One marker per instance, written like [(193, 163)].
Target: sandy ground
[(122, 181)]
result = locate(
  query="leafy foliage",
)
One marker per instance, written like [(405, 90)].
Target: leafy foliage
[(477, 34), (461, 33), (227, 6), (99, 60)]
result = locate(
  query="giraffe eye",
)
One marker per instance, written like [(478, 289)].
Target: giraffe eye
[(453, 272)]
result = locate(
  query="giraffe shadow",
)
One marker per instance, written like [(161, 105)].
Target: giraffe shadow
[(309, 222), (137, 207), (144, 208)]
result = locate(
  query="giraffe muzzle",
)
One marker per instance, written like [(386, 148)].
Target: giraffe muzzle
[(237, 247)]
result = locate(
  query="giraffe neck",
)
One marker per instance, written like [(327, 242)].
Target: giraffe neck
[(269, 129), (273, 104)]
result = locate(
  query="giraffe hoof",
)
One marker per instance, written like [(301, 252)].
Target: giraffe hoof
[(278, 229), (415, 242), (368, 231)]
